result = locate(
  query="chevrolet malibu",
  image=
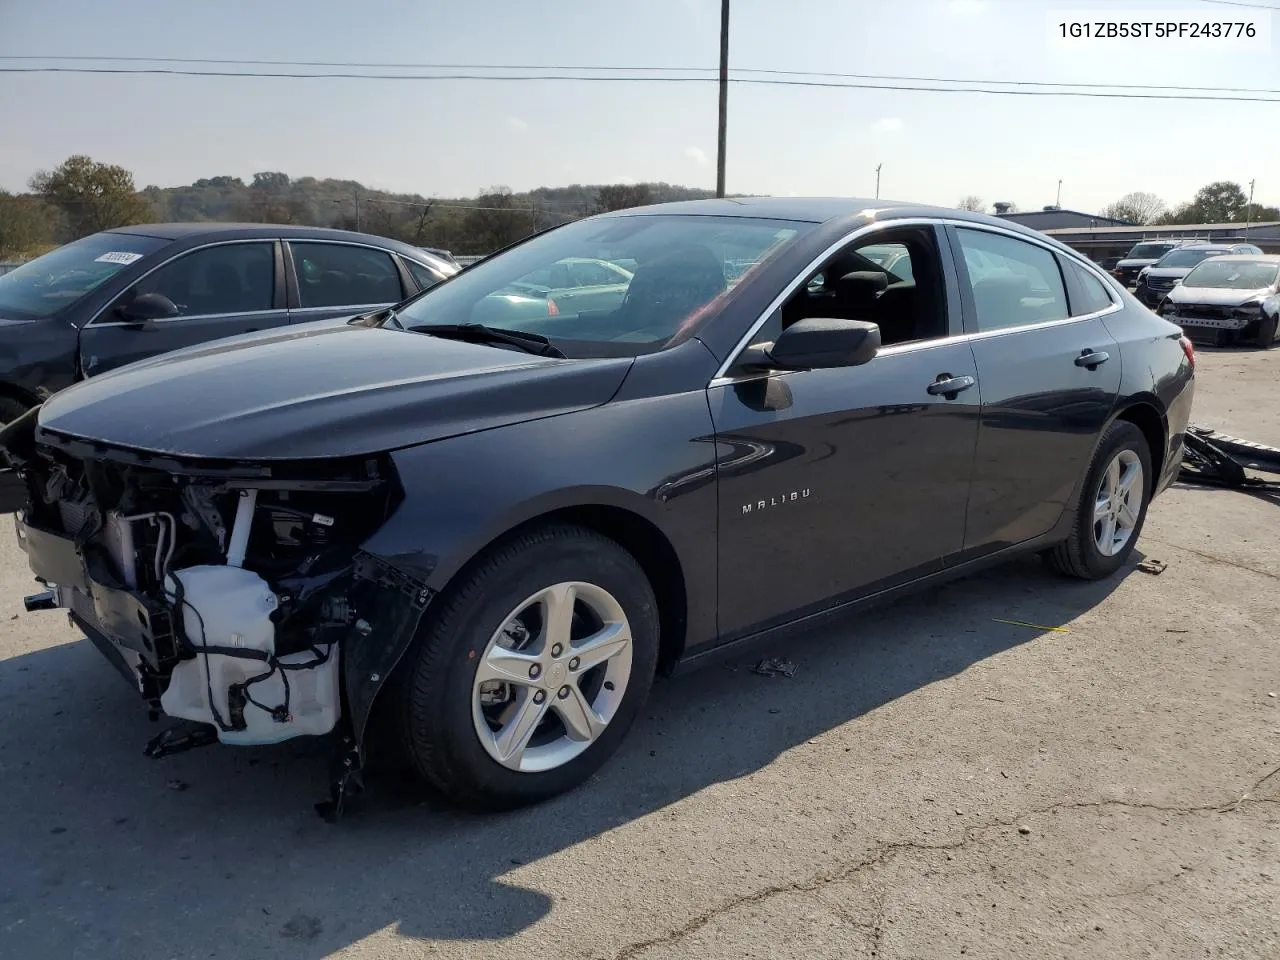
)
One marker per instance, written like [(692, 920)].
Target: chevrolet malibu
[(492, 539)]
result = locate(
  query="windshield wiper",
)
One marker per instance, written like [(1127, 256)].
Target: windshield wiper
[(478, 333)]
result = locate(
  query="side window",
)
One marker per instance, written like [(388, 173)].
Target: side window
[(421, 274), (338, 275), (1092, 295), (595, 275), (894, 281), (227, 278), (1016, 283)]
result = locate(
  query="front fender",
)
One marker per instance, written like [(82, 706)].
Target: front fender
[(653, 457)]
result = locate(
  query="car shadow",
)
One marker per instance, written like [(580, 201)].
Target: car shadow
[(218, 852)]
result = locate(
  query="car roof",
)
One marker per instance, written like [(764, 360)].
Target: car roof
[(823, 209), (1250, 258), (195, 231)]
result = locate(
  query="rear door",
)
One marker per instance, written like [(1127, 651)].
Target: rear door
[(1050, 374), (337, 279), (218, 290)]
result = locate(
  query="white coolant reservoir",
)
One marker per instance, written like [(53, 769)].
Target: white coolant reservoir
[(230, 607)]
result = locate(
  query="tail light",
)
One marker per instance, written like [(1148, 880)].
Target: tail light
[(552, 309), (1188, 350)]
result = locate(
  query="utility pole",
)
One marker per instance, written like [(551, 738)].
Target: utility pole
[(355, 192), (1058, 202), (1248, 215), (878, 166), (724, 94)]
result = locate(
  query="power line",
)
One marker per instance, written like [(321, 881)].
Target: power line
[(1238, 3), (564, 68), (133, 71)]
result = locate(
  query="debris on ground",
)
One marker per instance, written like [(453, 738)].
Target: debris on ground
[(1024, 830), (1153, 567), (775, 667), (1033, 626)]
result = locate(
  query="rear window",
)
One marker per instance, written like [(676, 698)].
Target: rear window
[(1149, 251), (43, 286), (1187, 258)]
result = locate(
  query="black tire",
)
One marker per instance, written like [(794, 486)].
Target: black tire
[(431, 691), (11, 410), (1078, 555), (1266, 332)]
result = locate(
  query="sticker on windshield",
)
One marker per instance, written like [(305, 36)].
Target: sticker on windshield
[(120, 257)]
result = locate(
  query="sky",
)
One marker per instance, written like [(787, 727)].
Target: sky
[(456, 138)]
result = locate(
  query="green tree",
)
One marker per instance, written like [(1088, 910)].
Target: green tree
[(621, 196), (91, 196), (1218, 202), (26, 226), (498, 219), (973, 203)]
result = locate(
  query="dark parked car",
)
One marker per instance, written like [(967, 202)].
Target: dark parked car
[(491, 540), (1140, 256), (1155, 282), (1229, 299), (125, 294)]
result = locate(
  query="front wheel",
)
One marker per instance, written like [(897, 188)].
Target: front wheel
[(530, 670), (1266, 332), (1111, 508)]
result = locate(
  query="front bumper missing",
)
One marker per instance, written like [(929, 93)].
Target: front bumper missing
[(1218, 460), (141, 639)]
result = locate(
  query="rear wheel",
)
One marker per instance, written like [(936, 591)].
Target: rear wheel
[(530, 670), (1112, 506), (1266, 332)]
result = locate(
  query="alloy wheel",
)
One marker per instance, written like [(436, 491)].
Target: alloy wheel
[(1118, 503), (552, 677)]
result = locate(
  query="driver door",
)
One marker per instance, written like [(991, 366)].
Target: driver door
[(216, 291)]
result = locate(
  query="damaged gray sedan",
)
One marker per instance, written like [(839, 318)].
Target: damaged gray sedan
[(485, 542)]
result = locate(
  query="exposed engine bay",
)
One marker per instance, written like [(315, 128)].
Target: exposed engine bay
[(228, 594)]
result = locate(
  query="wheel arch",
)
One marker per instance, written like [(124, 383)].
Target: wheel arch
[(634, 532), (19, 394), (1144, 413)]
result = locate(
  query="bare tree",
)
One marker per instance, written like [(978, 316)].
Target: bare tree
[(973, 203), (1137, 207)]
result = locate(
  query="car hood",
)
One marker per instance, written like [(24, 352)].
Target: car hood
[(1167, 272), (1140, 262), (1216, 296), (322, 390)]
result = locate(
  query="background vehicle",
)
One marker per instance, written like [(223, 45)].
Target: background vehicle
[(498, 537), (1143, 254), (125, 294), (1228, 298), (1156, 281), (575, 285)]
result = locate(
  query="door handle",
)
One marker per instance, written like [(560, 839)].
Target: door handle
[(948, 386), (1092, 359)]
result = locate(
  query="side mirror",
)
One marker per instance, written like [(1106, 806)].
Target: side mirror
[(146, 307), (818, 343)]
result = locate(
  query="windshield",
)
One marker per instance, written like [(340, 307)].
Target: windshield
[(62, 276), (1186, 258), (618, 286), (1149, 251), (1233, 275)]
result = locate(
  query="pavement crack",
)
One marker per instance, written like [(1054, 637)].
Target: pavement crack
[(883, 852), (1215, 558)]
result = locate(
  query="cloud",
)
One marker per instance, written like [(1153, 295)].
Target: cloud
[(698, 156), (516, 125), (887, 125), (967, 8)]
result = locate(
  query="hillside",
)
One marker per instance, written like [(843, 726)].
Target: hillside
[(464, 225)]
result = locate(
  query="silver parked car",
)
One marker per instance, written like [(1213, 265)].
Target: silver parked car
[(1155, 282), (1230, 298)]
